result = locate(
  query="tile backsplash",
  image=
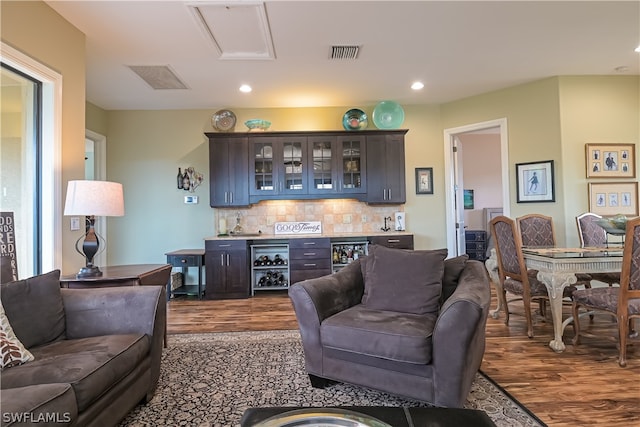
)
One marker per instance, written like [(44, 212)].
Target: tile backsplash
[(337, 216)]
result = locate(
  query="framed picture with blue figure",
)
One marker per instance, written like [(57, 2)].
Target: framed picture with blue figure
[(535, 182)]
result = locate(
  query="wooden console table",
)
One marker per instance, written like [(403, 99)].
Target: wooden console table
[(121, 275)]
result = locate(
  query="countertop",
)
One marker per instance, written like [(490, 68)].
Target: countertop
[(265, 236)]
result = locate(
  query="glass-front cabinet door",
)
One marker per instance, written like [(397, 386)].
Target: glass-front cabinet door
[(353, 164), (278, 165), (261, 166), (293, 166), (322, 161)]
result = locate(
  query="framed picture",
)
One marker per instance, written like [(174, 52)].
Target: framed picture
[(468, 199), (424, 180), (534, 182), (613, 198), (611, 160)]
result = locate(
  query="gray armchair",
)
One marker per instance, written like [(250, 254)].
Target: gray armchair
[(431, 356)]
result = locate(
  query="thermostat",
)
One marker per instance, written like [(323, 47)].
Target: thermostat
[(191, 200)]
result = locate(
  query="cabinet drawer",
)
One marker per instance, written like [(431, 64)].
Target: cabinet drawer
[(183, 260), (400, 242), (476, 246), (310, 253), (225, 245), (476, 235), (311, 264), (312, 243)]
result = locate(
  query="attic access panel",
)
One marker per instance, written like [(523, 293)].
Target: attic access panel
[(238, 31)]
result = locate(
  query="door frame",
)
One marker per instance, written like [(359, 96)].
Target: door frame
[(450, 178)]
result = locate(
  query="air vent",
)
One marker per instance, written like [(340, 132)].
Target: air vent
[(158, 76), (344, 52)]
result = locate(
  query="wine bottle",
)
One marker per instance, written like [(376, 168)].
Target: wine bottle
[(179, 179), (186, 182)]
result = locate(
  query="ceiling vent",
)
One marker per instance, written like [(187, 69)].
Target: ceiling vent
[(344, 52), (158, 76)]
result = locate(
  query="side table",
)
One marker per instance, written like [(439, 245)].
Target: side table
[(183, 259)]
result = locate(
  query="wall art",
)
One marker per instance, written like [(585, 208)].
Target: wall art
[(424, 180), (534, 182), (610, 160), (613, 198)]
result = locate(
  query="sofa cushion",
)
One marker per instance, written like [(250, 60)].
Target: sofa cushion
[(452, 270), (91, 365), (34, 308), (12, 352), (406, 281), (402, 337), (43, 404)]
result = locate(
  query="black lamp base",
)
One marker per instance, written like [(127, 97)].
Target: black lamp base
[(92, 271)]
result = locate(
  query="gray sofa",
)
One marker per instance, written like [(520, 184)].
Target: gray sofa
[(96, 351), (429, 351)]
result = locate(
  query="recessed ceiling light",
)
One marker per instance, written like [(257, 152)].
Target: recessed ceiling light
[(417, 85), (637, 49), (245, 88)]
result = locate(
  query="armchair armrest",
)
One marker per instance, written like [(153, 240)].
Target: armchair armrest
[(316, 299), (459, 335), (119, 310), (114, 310)]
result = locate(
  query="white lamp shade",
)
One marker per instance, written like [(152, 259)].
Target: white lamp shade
[(97, 198)]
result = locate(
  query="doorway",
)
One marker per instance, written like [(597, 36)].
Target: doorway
[(455, 140), (95, 168)]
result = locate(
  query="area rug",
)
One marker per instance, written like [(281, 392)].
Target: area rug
[(210, 379)]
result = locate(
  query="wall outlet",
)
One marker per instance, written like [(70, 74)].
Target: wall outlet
[(365, 218), (346, 219)]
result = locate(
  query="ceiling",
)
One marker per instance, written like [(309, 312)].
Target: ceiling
[(457, 49)]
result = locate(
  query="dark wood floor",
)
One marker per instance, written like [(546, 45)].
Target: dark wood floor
[(583, 386)]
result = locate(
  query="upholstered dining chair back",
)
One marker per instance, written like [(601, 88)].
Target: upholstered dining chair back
[(593, 236), (512, 271), (622, 301), (536, 230), (508, 247), (589, 232)]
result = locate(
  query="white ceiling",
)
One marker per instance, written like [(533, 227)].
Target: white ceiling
[(458, 49)]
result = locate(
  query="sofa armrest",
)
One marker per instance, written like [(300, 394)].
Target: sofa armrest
[(119, 310), (459, 336), (316, 299)]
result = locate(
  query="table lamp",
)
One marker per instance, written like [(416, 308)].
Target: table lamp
[(91, 199)]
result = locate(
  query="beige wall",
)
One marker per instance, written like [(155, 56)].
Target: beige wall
[(594, 109), (37, 31), (145, 149)]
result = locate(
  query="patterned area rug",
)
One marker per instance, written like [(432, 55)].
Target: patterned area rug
[(210, 379)]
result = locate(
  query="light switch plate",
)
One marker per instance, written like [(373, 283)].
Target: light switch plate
[(75, 223)]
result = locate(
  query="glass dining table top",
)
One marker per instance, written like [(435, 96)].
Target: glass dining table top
[(565, 253)]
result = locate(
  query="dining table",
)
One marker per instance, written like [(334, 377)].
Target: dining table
[(557, 268)]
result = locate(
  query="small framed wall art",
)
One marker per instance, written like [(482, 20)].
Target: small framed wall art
[(611, 160), (613, 198), (534, 182), (424, 180)]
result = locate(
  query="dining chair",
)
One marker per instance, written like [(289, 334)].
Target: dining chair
[(537, 230), (621, 301), (593, 236), (513, 274)]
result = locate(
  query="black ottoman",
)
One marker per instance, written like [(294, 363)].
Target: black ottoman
[(394, 416)]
